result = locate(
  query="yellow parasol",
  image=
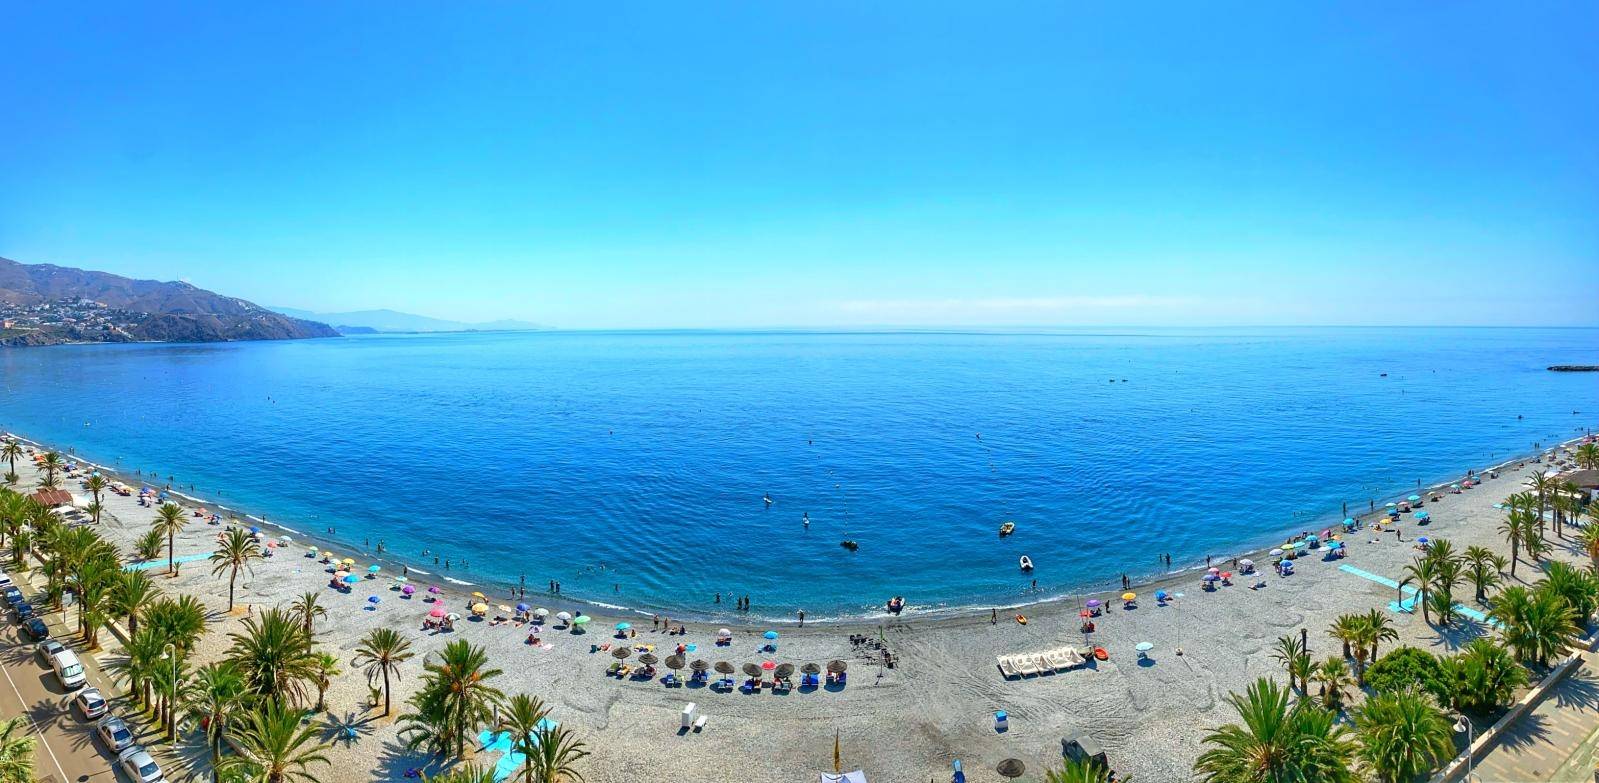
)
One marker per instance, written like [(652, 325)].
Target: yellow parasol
[(1128, 596)]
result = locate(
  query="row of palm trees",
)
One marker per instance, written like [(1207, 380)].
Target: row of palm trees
[(273, 673)]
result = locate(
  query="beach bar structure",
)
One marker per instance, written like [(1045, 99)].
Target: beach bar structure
[(50, 498)]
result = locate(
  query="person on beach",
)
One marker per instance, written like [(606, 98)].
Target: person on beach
[(802, 618), (993, 617), (718, 598)]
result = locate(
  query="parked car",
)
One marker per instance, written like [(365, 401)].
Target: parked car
[(24, 611), (114, 733), (5, 580), (139, 766), (90, 703), (47, 649), (36, 629), (69, 670), (13, 596)]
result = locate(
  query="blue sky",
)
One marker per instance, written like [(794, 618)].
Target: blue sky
[(820, 163)]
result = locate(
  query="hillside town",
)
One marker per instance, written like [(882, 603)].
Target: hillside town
[(74, 318)]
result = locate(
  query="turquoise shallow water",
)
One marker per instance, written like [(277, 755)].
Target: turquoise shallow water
[(632, 466)]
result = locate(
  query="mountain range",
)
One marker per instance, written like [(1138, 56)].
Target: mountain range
[(369, 321), (43, 304)]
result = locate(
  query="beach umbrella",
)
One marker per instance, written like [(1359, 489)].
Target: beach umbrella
[(1211, 577), (1144, 647), (1454, 486), (352, 579), (1336, 545), (1414, 498), (434, 589), (724, 667), (1349, 521), (348, 561), (1246, 562), (1128, 596), (1160, 595), (1011, 768), (581, 619), (253, 528), (480, 607), (1083, 613), (522, 607), (1286, 563), (1422, 515), (407, 590), (479, 596), (770, 635), (452, 617), (438, 611), (836, 666), (1390, 504), (1226, 574), (541, 612), (648, 659), (372, 599), (1421, 540), (372, 569), (1094, 603), (752, 670), (621, 652), (402, 579), (272, 545), (1275, 553), (623, 626), (327, 555), (284, 539), (340, 574), (768, 665), (699, 665), (675, 662), (811, 668), (563, 616), (311, 552), (1214, 570), (785, 670), (504, 608)]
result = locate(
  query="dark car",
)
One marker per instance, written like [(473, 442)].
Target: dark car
[(13, 596), (36, 629), (24, 611)]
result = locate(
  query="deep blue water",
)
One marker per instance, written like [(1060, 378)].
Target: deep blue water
[(639, 460)]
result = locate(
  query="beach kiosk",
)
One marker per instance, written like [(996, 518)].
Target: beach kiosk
[(1083, 748)]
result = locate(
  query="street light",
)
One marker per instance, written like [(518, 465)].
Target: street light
[(1461, 724)]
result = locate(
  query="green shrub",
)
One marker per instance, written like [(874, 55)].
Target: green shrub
[(1407, 667)]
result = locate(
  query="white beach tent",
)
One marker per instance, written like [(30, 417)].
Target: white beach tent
[(848, 777)]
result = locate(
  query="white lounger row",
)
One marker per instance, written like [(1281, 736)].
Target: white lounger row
[(1026, 664)]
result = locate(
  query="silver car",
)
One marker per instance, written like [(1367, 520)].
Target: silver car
[(114, 733), (90, 703), (140, 766), (47, 649)]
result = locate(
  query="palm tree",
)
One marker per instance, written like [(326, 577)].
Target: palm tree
[(1542, 485), (149, 546), (51, 464), (521, 719), (1333, 678), (215, 694), (1347, 630), (1579, 589), (180, 620), (96, 484), (132, 595), (555, 753), (169, 521), (454, 699), (274, 657), (306, 609), (1588, 539), (1536, 625), (10, 451), (1402, 735), (1483, 677), (380, 654), (1421, 573), (1515, 530), (465, 773), (1291, 654), (140, 657), (324, 667), (1482, 570), (16, 751), (1278, 741), (1078, 771), (1377, 630), (238, 548), (274, 746), (1587, 456), (94, 509)]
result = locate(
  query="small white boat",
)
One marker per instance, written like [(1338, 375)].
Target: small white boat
[(1027, 563), (1007, 528)]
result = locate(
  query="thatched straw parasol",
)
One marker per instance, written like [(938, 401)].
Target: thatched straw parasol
[(836, 666), (752, 670), (648, 659), (724, 667), (675, 662), (1011, 768), (699, 665), (811, 668), (785, 670), (621, 652)]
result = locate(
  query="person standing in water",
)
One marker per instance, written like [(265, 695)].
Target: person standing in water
[(806, 518)]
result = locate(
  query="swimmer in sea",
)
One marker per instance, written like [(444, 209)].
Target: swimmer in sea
[(806, 518)]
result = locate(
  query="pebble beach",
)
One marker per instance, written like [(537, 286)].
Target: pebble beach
[(905, 724)]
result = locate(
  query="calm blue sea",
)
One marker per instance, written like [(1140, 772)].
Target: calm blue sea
[(632, 466)]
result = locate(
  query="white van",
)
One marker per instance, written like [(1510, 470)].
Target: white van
[(68, 669), (5, 581)]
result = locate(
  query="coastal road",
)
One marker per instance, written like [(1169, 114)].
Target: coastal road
[(67, 751)]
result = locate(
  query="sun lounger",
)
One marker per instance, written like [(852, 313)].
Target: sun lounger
[(1044, 666), (1025, 665), (699, 723), (1056, 660), (1007, 667)]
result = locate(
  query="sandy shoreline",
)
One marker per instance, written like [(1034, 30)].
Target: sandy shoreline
[(901, 724)]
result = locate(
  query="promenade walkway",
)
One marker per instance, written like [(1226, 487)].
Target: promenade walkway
[(1556, 740)]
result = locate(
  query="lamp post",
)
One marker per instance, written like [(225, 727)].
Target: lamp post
[(1461, 724), (169, 652)]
